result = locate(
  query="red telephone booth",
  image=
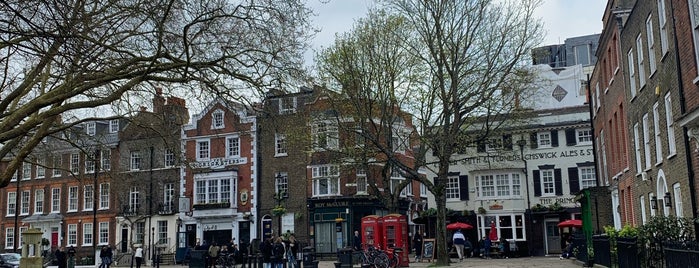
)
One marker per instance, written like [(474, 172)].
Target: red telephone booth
[(395, 234), (371, 231)]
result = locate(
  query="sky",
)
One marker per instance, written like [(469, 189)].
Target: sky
[(562, 19)]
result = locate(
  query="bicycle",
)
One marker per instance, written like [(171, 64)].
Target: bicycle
[(373, 257), (226, 261), (394, 260)]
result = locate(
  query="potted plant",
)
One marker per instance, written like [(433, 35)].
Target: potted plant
[(481, 210), (278, 210)]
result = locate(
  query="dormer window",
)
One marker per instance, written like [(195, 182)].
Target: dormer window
[(217, 120), (90, 128), (287, 105), (113, 126)]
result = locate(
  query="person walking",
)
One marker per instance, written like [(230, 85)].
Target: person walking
[(459, 241), (266, 251), (61, 257), (213, 254), (291, 251), (357, 242), (278, 251), (486, 247), (417, 245), (139, 257)]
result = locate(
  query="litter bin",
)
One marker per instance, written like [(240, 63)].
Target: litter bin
[(309, 257), (197, 259), (344, 257)]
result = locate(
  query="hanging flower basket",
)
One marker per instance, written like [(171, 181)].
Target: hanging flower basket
[(278, 211)]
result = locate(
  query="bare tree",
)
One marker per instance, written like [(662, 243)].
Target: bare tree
[(459, 66), (62, 57)]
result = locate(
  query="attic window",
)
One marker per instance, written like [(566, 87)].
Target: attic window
[(90, 128), (287, 105), (217, 120)]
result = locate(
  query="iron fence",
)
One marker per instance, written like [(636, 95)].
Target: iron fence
[(681, 254), (627, 253), (603, 252)]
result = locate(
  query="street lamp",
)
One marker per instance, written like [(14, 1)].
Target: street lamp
[(667, 199), (528, 212)]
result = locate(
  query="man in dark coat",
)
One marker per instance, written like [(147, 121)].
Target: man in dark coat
[(61, 257)]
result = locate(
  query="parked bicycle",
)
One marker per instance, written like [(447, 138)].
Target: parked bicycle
[(373, 257), (394, 259), (226, 261)]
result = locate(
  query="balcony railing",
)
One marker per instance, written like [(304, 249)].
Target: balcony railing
[(166, 208)]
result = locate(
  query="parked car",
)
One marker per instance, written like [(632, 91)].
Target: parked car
[(9, 260)]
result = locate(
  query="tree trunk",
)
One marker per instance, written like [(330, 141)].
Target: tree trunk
[(441, 235)]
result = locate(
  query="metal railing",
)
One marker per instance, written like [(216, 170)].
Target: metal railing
[(627, 253), (603, 252), (681, 254)]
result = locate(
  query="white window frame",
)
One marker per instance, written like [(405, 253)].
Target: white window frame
[(397, 179), (331, 175), (484, 225), (646, 142), (90, 128), (169, 158), (658, 137), (544, 139), (24, 200), (233, 146), (134, 199), (162, 233), (548, 182), (632, 73), (114, 126), (88, 197), (587, 177), (499, 185), (662, 19), (677, 197), (280, 144), (217, 121), (55, 200), (87, 234), (651, 45), (670, 126), (281, 183), (583, 136), (74, 163), (57, 165), (135, 161), (169, 197), (11, 203), (26, 171), (203, 149), (72, 199), (399, 142), (10, 238), (40, 168), (361, 181), (325, 135), (494, 144), (89, 164), (641, 60), (104, 196), (216, 188), (105, 161), (287, 105), (72, 235), (637, 147), (103, 233), (39, 201), (604, 156), (587, 52), (452, 191), (642, 201)]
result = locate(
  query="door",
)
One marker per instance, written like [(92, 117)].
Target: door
[(124, 239), (553, 237), (243, 235)]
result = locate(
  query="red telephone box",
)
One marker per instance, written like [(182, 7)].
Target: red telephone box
[(371, 231), (395, 234)]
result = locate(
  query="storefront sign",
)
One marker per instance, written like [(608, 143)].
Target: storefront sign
[(559, 200), (218, 163), (531, 156)]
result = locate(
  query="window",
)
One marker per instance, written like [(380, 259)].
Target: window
[(106, 159), (500, 185), (72, 198), (651, 44), (87, 234), (584, 136), (162, 232), (493, 144), (637, 147), (604, 155), (89, 198), (287, 105), (114, 126), (361, 181), (26, 171), (55, 200), (544, 139), (169, 197), (135, 163), (399, 143), (587, 177), (694, 18), (642, 200), (658, 138), (548, 184), (677, 196), (202, 150), (663, 26), (632, 73), (40, 169), (582, 54), (104, 233), (15, 176), (9, 238), (140, 232), (641, 64), (597, 103), (169, 158), (396, 180), (90, 128), (214, 189), (281, 183), (326, 180), (57, 163), (104, 196), (233, 147), (670, 124), (89, 164), (134, 199), (75, 163), (452, 191), (39, 201), (11, 203), (217, 120), (510, 227), (280, 144), (325, 135), (25, 203), (72, 234), (646, 140)]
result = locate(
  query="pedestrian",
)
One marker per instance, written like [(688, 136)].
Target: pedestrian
[(60, 257), (357, 242), (213, 254), (103, 257), (278, 251), (567, 250), (417, 245), (486, 246), (504, 247), (468, 249), (139, 257), (110, 256), (266, 250), (291, 251), (459, 241)]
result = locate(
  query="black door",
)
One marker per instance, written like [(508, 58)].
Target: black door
[(124, 239)]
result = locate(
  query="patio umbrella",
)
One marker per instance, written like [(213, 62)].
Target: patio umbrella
[(570, 223), (458, 225), (493, 232)]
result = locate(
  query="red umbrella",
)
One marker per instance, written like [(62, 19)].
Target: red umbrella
[(570, 223), (458, 225), (493, 232)]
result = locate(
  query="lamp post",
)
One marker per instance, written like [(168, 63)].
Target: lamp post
[(528, 212)]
